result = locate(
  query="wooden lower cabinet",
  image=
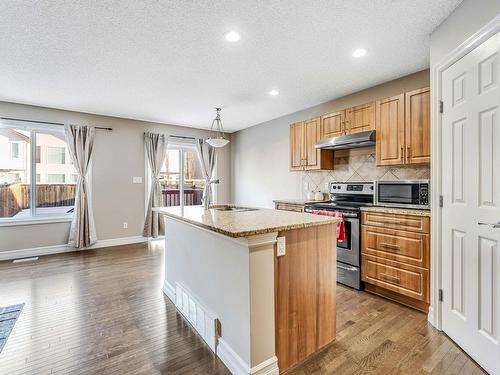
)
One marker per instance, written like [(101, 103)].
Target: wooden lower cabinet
[(395, 262), (289, 207)]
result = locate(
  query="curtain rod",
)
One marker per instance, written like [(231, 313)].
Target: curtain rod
[(182, 136), (46, 122)]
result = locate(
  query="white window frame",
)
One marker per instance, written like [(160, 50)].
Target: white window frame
[(18, 150), (34, 218), (48, 155), (182, 143)]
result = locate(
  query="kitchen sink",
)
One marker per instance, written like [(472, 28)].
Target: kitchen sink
[(234, 208)]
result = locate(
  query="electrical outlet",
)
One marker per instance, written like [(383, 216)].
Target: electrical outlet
[(306, 186), (137, 180), (125, 225), (327, 186), (281, 248)]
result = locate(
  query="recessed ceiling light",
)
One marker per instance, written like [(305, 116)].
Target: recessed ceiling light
[(232, 36), (274, 92), (359, 52)]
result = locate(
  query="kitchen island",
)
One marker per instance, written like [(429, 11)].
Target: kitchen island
[(257, 284)]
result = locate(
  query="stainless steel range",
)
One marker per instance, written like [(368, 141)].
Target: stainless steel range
[(347, 198)]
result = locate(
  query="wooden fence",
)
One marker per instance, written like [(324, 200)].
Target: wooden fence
[(16, 197), (172, 197)]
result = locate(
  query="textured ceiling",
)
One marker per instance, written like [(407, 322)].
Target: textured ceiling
[(167, 61)]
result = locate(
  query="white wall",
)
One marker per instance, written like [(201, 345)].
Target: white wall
[(118, 156), (260, 154), (464, 21)]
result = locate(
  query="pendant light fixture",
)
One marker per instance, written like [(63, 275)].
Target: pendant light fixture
[(216, 138)]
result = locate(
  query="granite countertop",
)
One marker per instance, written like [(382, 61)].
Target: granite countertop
[(300, 202), (244, 223), (395, 210)]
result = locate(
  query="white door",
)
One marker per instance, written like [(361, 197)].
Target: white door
[(471, 188)]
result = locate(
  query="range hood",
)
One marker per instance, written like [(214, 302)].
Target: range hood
[(356, 140)]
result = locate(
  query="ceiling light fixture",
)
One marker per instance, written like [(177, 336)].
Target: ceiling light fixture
[(216, 137), (232, 36), (360, 52), (274, 92)]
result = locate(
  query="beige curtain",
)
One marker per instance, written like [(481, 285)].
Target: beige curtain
[(80, 141), (207, 157), (156, 150)]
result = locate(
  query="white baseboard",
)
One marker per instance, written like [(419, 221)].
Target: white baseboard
[(237, 366), (430, 316), (56, 249), (199, 316), (169, 291), (233, 361), (269, 367)]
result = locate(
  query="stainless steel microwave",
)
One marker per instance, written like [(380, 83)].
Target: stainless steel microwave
[(403, 193)]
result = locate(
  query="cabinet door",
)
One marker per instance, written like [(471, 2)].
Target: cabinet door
[(390, 130), (312, 136), (360, 118), (418, 126), (332, 125), (297, 146)]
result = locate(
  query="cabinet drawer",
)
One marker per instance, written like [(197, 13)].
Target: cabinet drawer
[(397, 277), (405, 247), (411, 223), (289, 207)]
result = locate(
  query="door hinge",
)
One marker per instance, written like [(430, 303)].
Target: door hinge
[(440, 295), (441, 201), (441, 106)]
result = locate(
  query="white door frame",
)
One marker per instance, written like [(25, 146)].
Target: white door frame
[(483, 34)]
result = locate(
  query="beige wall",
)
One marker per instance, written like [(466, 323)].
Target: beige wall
[(260, 154), (464, 21), (119, 155)]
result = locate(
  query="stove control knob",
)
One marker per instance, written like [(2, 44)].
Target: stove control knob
[(371, 187)]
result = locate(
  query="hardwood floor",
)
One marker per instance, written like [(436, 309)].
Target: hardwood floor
[(98, 312), (103, 312)]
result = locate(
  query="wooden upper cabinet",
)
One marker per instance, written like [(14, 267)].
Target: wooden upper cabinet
[(312, 136), (360, 118), (303, 155), (332, 125), (297, 146), (390, 126), (418, 129)]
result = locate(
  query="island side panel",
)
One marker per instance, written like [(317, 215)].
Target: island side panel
[(214, 268), (305, 293)]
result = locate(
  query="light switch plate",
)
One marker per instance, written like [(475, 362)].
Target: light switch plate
[(281, 248), (137, 180)]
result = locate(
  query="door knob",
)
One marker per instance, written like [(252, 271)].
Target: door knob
[(495, 226)]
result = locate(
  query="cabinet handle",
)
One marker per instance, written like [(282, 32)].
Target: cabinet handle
[(389, 277), (391, 246), (408, 151), (402, 153)]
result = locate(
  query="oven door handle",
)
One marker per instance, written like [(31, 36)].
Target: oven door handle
[(345, 268)]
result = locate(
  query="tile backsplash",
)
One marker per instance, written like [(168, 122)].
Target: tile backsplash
[(359, 165)]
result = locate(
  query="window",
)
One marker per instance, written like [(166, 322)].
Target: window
[(56, 155), (181, 177), (55, 178), (38, 153), (14, 150), (55, 195)]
